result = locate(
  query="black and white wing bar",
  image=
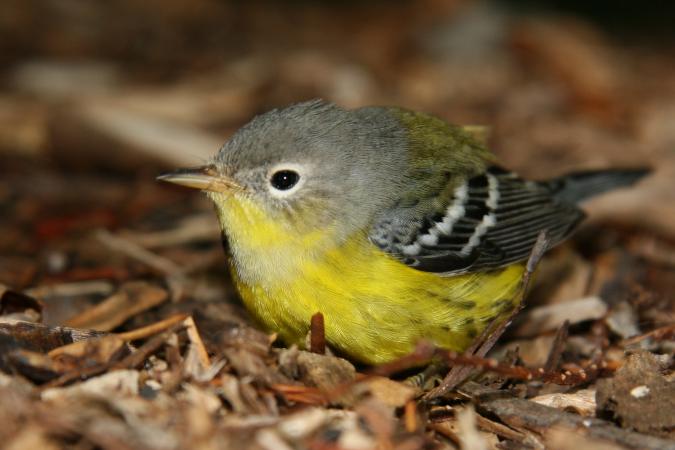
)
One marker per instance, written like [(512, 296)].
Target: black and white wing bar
[(492, 220)]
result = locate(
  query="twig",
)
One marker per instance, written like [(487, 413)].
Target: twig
[(196, 341), (657, 334), (152, 329), (304, 394), (75, 289), (135, 251), (557, 347), (317, 337), (423, 353), (567, 377), (175, 275), (198, 227), (130, 299), (410, 416)]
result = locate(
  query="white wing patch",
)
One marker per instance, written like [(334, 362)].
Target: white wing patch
[(489, 220), (454, 212), (412, 249), (493, 192)]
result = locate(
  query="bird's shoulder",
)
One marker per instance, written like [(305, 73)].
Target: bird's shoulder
[(436, 146)]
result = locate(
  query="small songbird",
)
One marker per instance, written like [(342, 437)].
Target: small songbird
[(394, 224)]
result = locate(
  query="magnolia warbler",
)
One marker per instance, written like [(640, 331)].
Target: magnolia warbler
[(394, 224)]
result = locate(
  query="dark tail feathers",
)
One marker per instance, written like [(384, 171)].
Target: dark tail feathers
[(578, 186)]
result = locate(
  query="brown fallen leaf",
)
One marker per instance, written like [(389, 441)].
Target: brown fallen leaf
[(582, 401), (131, 299)]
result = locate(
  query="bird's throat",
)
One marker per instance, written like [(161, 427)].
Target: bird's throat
[(264, 251)]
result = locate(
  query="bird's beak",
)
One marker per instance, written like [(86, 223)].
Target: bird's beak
[(205, 178)]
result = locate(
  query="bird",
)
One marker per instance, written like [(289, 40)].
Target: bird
[(396, 225)]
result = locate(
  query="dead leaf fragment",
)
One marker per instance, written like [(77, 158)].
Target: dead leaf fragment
[(131, 299), (581, 402)]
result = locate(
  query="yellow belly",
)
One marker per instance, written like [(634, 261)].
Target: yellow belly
[(375, 307)]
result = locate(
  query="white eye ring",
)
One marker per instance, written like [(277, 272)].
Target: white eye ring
[(287, 172)]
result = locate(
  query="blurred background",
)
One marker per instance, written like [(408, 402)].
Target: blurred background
[(97, 98)]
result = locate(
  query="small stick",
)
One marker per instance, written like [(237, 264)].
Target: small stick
[(557, 347), (423, 353), (658, 334), (410, 416), (152, 329), (303, 394), (73, 289), (135, 251), (196, 340), (317, 336)]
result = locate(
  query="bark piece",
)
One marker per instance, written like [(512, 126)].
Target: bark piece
[(639, 397), (526, 415)]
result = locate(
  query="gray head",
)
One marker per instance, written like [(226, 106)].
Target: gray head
[(314, 164)]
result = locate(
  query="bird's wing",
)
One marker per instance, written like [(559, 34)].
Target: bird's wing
[(489, 221)]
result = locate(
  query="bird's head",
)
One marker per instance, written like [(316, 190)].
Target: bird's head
[(311, 165)]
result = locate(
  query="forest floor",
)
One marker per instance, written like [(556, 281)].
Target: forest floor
[(120, 327)]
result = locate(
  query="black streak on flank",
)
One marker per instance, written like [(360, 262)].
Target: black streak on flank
[(504, 305), (431, 294), (465, 304)]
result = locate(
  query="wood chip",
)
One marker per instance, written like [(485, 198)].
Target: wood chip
[(129, 300), (581, 402)]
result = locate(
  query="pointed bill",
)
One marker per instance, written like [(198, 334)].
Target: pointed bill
[(205, 178)]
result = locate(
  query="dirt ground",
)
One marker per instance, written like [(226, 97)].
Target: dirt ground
[(119, 325)]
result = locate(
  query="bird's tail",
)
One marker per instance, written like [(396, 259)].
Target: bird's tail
[(579, 186)]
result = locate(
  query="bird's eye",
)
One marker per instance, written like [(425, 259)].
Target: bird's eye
[(284, 180)]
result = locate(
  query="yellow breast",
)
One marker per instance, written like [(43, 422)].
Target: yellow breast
[(375, 307)]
